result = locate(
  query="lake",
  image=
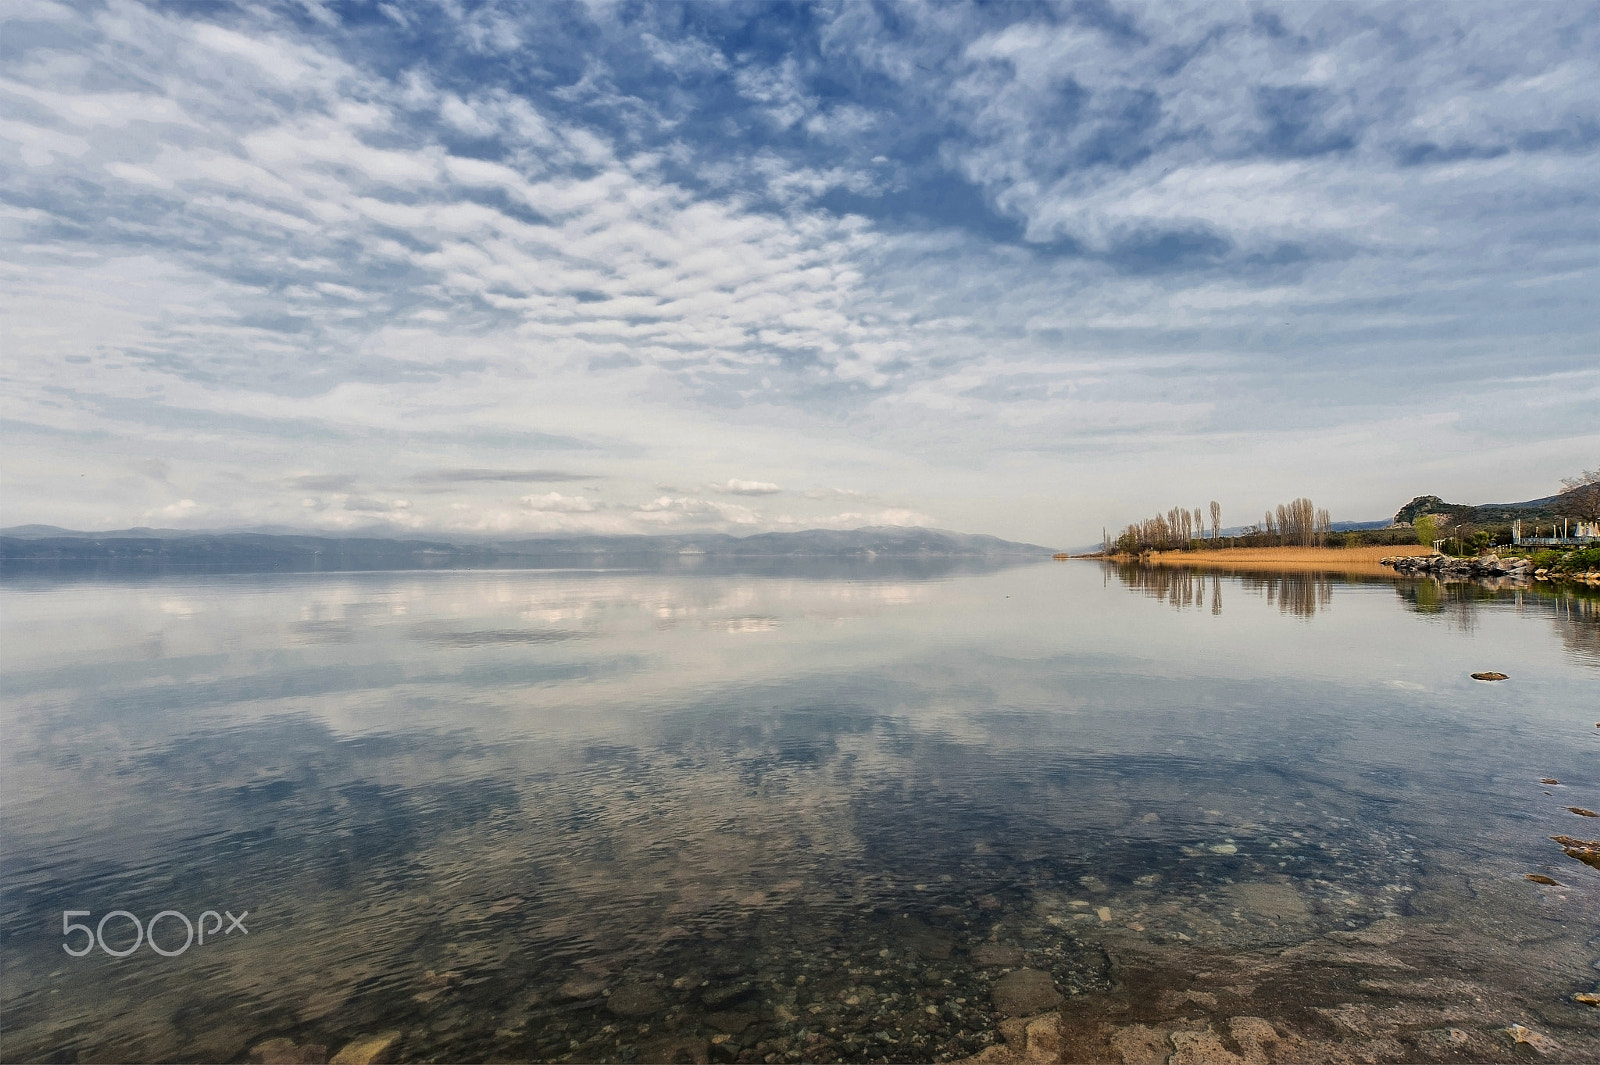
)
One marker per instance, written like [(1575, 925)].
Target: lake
[(632, 816)]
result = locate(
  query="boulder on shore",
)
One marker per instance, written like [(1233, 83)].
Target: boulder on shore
[(1446, 566)]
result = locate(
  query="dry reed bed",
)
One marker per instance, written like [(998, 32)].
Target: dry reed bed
[(1359, 560)]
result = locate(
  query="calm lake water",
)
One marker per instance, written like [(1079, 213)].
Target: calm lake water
[(631, 816)]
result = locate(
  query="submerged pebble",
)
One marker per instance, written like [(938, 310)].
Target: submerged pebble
[(993, 954), (1444, 1039), (284, 1051), (635, 1000), (581, 987), (368, 1050), (1586, 851), (1025, 992), (1528, 1037)]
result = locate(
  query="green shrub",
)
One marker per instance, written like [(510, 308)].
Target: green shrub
[(1373, 538), (1500, 534), (1577, 561)]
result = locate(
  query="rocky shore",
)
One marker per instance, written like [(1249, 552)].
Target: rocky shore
[(1446, 567), (1459, 568)]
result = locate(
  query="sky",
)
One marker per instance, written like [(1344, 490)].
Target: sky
[(1028, 270)]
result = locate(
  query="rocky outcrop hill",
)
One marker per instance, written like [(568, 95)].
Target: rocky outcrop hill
[(1486, 514)]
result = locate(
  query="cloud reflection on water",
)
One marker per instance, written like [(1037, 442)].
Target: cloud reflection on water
[(785, 779)]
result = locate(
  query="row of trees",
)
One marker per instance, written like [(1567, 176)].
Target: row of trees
[(1165, 532), (1298, 523)]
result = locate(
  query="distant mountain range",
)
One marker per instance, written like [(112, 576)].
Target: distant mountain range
[(46, 549)]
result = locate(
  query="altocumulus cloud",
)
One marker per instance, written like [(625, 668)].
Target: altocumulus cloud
[(1020, 269)]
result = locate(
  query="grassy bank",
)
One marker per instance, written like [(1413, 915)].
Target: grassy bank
[(1558, 561), (1582, 565)]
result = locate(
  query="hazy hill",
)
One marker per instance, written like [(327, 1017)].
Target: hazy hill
[(880, 540), (43, 550)]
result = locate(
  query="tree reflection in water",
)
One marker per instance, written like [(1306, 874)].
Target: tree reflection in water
[(1576, 614), (1300, 594), (1573, 609), (1455, 602)]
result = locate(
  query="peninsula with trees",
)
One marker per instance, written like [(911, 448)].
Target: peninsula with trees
[(1559, 534)]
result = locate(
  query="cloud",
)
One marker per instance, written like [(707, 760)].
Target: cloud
[(685, 56), (471, 476), (778, 90), (182, 509), (342, 511), (323, 482), (555, 502), (855, 519), (734, 486), (687, 510)]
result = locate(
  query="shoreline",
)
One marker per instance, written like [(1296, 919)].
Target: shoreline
[(1356, 560), (1362, 561)]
